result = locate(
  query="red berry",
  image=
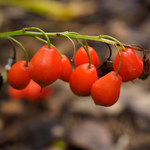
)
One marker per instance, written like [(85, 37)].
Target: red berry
[(106, 90), (33, 91), (18, 75), (131, 65), (82, 79), (45, 66), (66, 68), (81, 57), (15, 93)]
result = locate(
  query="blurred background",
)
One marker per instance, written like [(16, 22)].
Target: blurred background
[(64, 121)]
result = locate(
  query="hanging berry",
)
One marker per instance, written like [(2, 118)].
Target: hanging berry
[(45, 66), (106, 90), (81, 56), (131, 65), (18, 75), (66, 69), (82, 79)]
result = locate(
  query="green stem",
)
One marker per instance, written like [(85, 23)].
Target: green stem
[(58, 51), (27, 57), (71, 42), (40, 39), (35, 28), (72, 35), (119, 60), (86, 44), (47, 43), (112, 38), (86, 49)]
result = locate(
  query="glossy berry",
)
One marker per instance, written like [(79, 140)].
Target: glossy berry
[(45, 66), (82, 79), (131, 65), (66, 69), (18, 75), (106, 90), (81, 57)]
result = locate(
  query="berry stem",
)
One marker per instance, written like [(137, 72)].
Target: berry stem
[(110, 51), (14, 50), (35, 28), (40, 39), (71, 42), (86, 49), (112, 38), (58, 52), (119, 60), (47, 43), (27, 57)]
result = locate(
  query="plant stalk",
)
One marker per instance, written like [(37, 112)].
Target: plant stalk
[(71, 35)]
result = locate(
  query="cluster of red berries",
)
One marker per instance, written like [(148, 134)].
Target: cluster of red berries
[(47, 65), (104, 90)]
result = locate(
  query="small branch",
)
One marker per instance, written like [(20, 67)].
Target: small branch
[(70, 35), (62, 35)]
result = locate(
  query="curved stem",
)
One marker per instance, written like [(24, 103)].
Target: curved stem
[(86, 49), (46, 43), (86, 43), (58, 52), (27, 57), (112, 38), (72, 43), (110, 51), (119, 60), (35, 28), (14, 49), (40, 39)]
